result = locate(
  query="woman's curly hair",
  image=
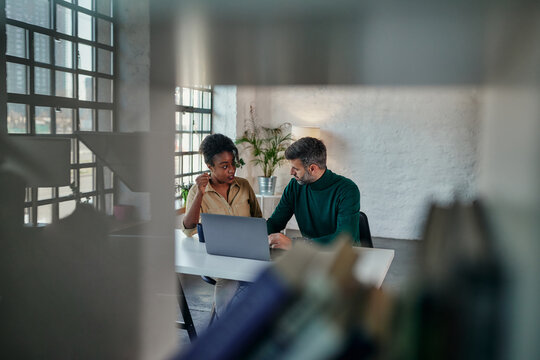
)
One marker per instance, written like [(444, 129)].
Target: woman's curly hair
[(216, 144)]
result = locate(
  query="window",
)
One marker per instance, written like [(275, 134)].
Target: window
[(60, 79), (192, 124)]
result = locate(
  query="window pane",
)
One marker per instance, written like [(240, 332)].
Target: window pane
[(44, 214), (42, 81), (63, 52), (177, 165), (197, 119), (105, 119), (44, 193), (196, 163), (178, 120), (16, 118), (187, 180), (86, 88), (196, 141), (86, 119), (104, 31), (66, 190), (185, 142), (186, 97), (65, 208), (16, 42), (34, 12), (104, 7), (64, 84), (85, 4), (85, 155), (64, 121), (197, 99), (42, 47), (177, 142), (16, 78), (107, 178), (85, 28), (86, 57), (186, 164), (27, 212), (207, 124), (43, 120), (64, 24), (87, 180), (207, 100), (177, 95), (105, 61), (187, 118), (105, 90)]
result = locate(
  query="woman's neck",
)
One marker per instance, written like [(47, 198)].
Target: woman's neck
[(217, 184)]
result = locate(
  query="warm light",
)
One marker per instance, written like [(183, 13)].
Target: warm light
[(303, 131)]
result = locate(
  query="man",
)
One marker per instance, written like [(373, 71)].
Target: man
[(324, 204)]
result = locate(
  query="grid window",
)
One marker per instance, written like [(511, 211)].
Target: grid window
[(59, 63), (193, 122)]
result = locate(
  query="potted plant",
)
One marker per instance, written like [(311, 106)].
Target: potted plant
[(183, 189), (267, 147)]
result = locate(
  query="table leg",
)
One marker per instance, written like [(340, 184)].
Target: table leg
[(187, 324)]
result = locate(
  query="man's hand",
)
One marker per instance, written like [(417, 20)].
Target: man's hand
[(279, 241), (201, 181)]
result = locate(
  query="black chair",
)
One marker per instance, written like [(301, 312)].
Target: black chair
[(365, 234)]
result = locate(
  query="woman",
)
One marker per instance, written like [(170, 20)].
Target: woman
[(220, 192)]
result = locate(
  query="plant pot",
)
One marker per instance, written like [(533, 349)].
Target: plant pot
[(267, 185)]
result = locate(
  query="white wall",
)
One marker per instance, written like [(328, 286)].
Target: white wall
[(402, 146), (224, 111)]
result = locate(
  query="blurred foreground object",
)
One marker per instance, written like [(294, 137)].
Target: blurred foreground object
[(309, 305)]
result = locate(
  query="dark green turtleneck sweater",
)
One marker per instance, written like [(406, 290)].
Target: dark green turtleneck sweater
[(323, 209)]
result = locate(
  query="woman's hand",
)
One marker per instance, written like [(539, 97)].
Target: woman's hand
[(201, 181), (279, 241), (192, 214)]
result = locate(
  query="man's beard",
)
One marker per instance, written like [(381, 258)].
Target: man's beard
[(306, 179)]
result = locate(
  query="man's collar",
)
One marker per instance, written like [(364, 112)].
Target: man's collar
[(323, 181)]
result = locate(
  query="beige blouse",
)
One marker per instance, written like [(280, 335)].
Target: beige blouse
[(241, 201)]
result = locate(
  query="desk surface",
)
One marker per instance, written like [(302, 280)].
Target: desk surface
[(191, 258)]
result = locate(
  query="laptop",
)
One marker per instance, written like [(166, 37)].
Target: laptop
[(237, 236)]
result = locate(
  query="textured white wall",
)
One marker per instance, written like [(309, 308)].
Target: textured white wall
[(402, 146), (224, 111)]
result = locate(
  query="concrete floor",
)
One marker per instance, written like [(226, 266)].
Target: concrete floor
[(200, 295)]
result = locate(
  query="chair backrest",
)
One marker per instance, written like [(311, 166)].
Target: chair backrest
[(365, 234)]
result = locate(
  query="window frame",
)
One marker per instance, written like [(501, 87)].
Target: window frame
[(180, 177), (55, 102)]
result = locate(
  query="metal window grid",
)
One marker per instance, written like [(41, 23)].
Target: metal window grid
[(73, 104)]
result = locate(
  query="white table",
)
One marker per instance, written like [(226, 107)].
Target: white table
[(191, 258)]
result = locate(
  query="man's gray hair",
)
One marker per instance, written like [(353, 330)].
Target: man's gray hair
[(309, 150)]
